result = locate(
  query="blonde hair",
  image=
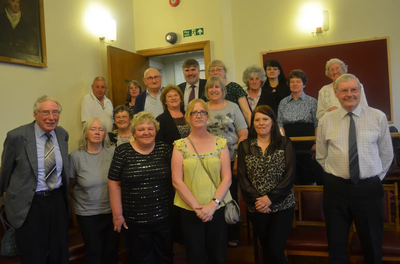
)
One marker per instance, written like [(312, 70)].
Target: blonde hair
[(191, 105), (143, 117), (83, 142)]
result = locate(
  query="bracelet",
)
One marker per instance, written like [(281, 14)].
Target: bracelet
[(217, 201)]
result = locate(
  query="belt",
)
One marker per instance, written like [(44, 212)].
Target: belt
[(46, 192)]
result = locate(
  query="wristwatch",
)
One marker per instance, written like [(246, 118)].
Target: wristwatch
[(216, 200)]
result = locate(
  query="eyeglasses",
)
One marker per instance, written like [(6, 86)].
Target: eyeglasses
[(346, 91), (272, 68), (47, 112), (335, 69), (151, 78), (216, 70), (202, 113)]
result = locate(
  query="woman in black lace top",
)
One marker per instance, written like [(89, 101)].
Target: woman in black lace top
[(266, 163), (141, 193)]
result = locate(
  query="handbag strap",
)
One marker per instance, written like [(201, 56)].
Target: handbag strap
[(4, 222), (204, 167)]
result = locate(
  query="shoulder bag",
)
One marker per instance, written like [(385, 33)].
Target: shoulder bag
[(8, 242), (232, 210)]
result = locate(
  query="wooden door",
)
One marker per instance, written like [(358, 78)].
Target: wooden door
[(123, 66)]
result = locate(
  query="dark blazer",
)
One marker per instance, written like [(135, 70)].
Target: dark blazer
[(19, 171), (168, 131), (140, 102), (202, 84)]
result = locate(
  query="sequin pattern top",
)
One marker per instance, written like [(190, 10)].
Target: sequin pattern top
[(146, 186)]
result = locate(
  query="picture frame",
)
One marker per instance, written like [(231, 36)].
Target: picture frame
[(22, 33)]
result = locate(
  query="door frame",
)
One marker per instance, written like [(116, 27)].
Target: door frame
[(201, 45)]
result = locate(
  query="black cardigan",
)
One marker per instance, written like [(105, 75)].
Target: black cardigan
[(168, 131)]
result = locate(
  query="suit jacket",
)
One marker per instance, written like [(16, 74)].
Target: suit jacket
[(140, 102), (19, 171), (168, 131), (202, 84)]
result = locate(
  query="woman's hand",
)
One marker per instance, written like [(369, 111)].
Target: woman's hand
[(262, 204), (206, 212), (330, 109), (314, 147), (118, 222)]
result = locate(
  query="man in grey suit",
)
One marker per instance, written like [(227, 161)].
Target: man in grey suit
[(34, 182)]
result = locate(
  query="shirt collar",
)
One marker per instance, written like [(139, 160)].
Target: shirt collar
[(196, 84), (159, 91), (356, 111), (40, 133), (95, 98), (302, 96)]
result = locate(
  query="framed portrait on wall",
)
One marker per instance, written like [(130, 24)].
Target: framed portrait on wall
[(22, 34)]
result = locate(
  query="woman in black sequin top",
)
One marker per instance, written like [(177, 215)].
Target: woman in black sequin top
[(141, 193)]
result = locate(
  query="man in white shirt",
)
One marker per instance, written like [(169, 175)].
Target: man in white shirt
[(96, 104), (193, 88), (354, 148), (149, 100)]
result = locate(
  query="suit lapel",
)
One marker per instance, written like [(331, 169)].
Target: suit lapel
[(31, 149)]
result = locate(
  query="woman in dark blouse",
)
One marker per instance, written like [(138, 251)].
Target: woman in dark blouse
[(276, 80), (141, 193), (266, 164), (173, 125)]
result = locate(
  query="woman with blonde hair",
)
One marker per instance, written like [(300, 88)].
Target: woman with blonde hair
[(141, 193), (89, 189), (201, 176)]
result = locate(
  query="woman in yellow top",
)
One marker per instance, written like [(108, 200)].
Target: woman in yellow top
[(201, 207)]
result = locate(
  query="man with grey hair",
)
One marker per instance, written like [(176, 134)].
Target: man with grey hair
[(34, 182), (354, 148), (149, 100), (96, 104), (193, 88)]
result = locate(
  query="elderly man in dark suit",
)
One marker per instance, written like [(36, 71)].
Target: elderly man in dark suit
[(34, 183), (193, 88)]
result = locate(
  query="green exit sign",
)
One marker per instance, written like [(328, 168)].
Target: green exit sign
[(193, 32)]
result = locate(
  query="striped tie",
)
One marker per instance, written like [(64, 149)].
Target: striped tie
[(353, 154), (50, 168)]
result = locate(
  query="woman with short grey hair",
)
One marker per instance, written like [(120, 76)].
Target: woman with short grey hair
[(123, 116), (88, 187), (327, 100), (254, 77)]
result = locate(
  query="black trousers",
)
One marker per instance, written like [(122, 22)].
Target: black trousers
[(273, 230), (149, 244), (345, 202), (43, 237), (100, 239), (204, 238)]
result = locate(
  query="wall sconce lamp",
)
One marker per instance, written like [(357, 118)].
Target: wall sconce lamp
[(321, 30), (108, 31)]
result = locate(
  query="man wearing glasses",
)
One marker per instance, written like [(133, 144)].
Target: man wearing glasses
[(355, 150), (96, 104), (149, 100), (34, 183)]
